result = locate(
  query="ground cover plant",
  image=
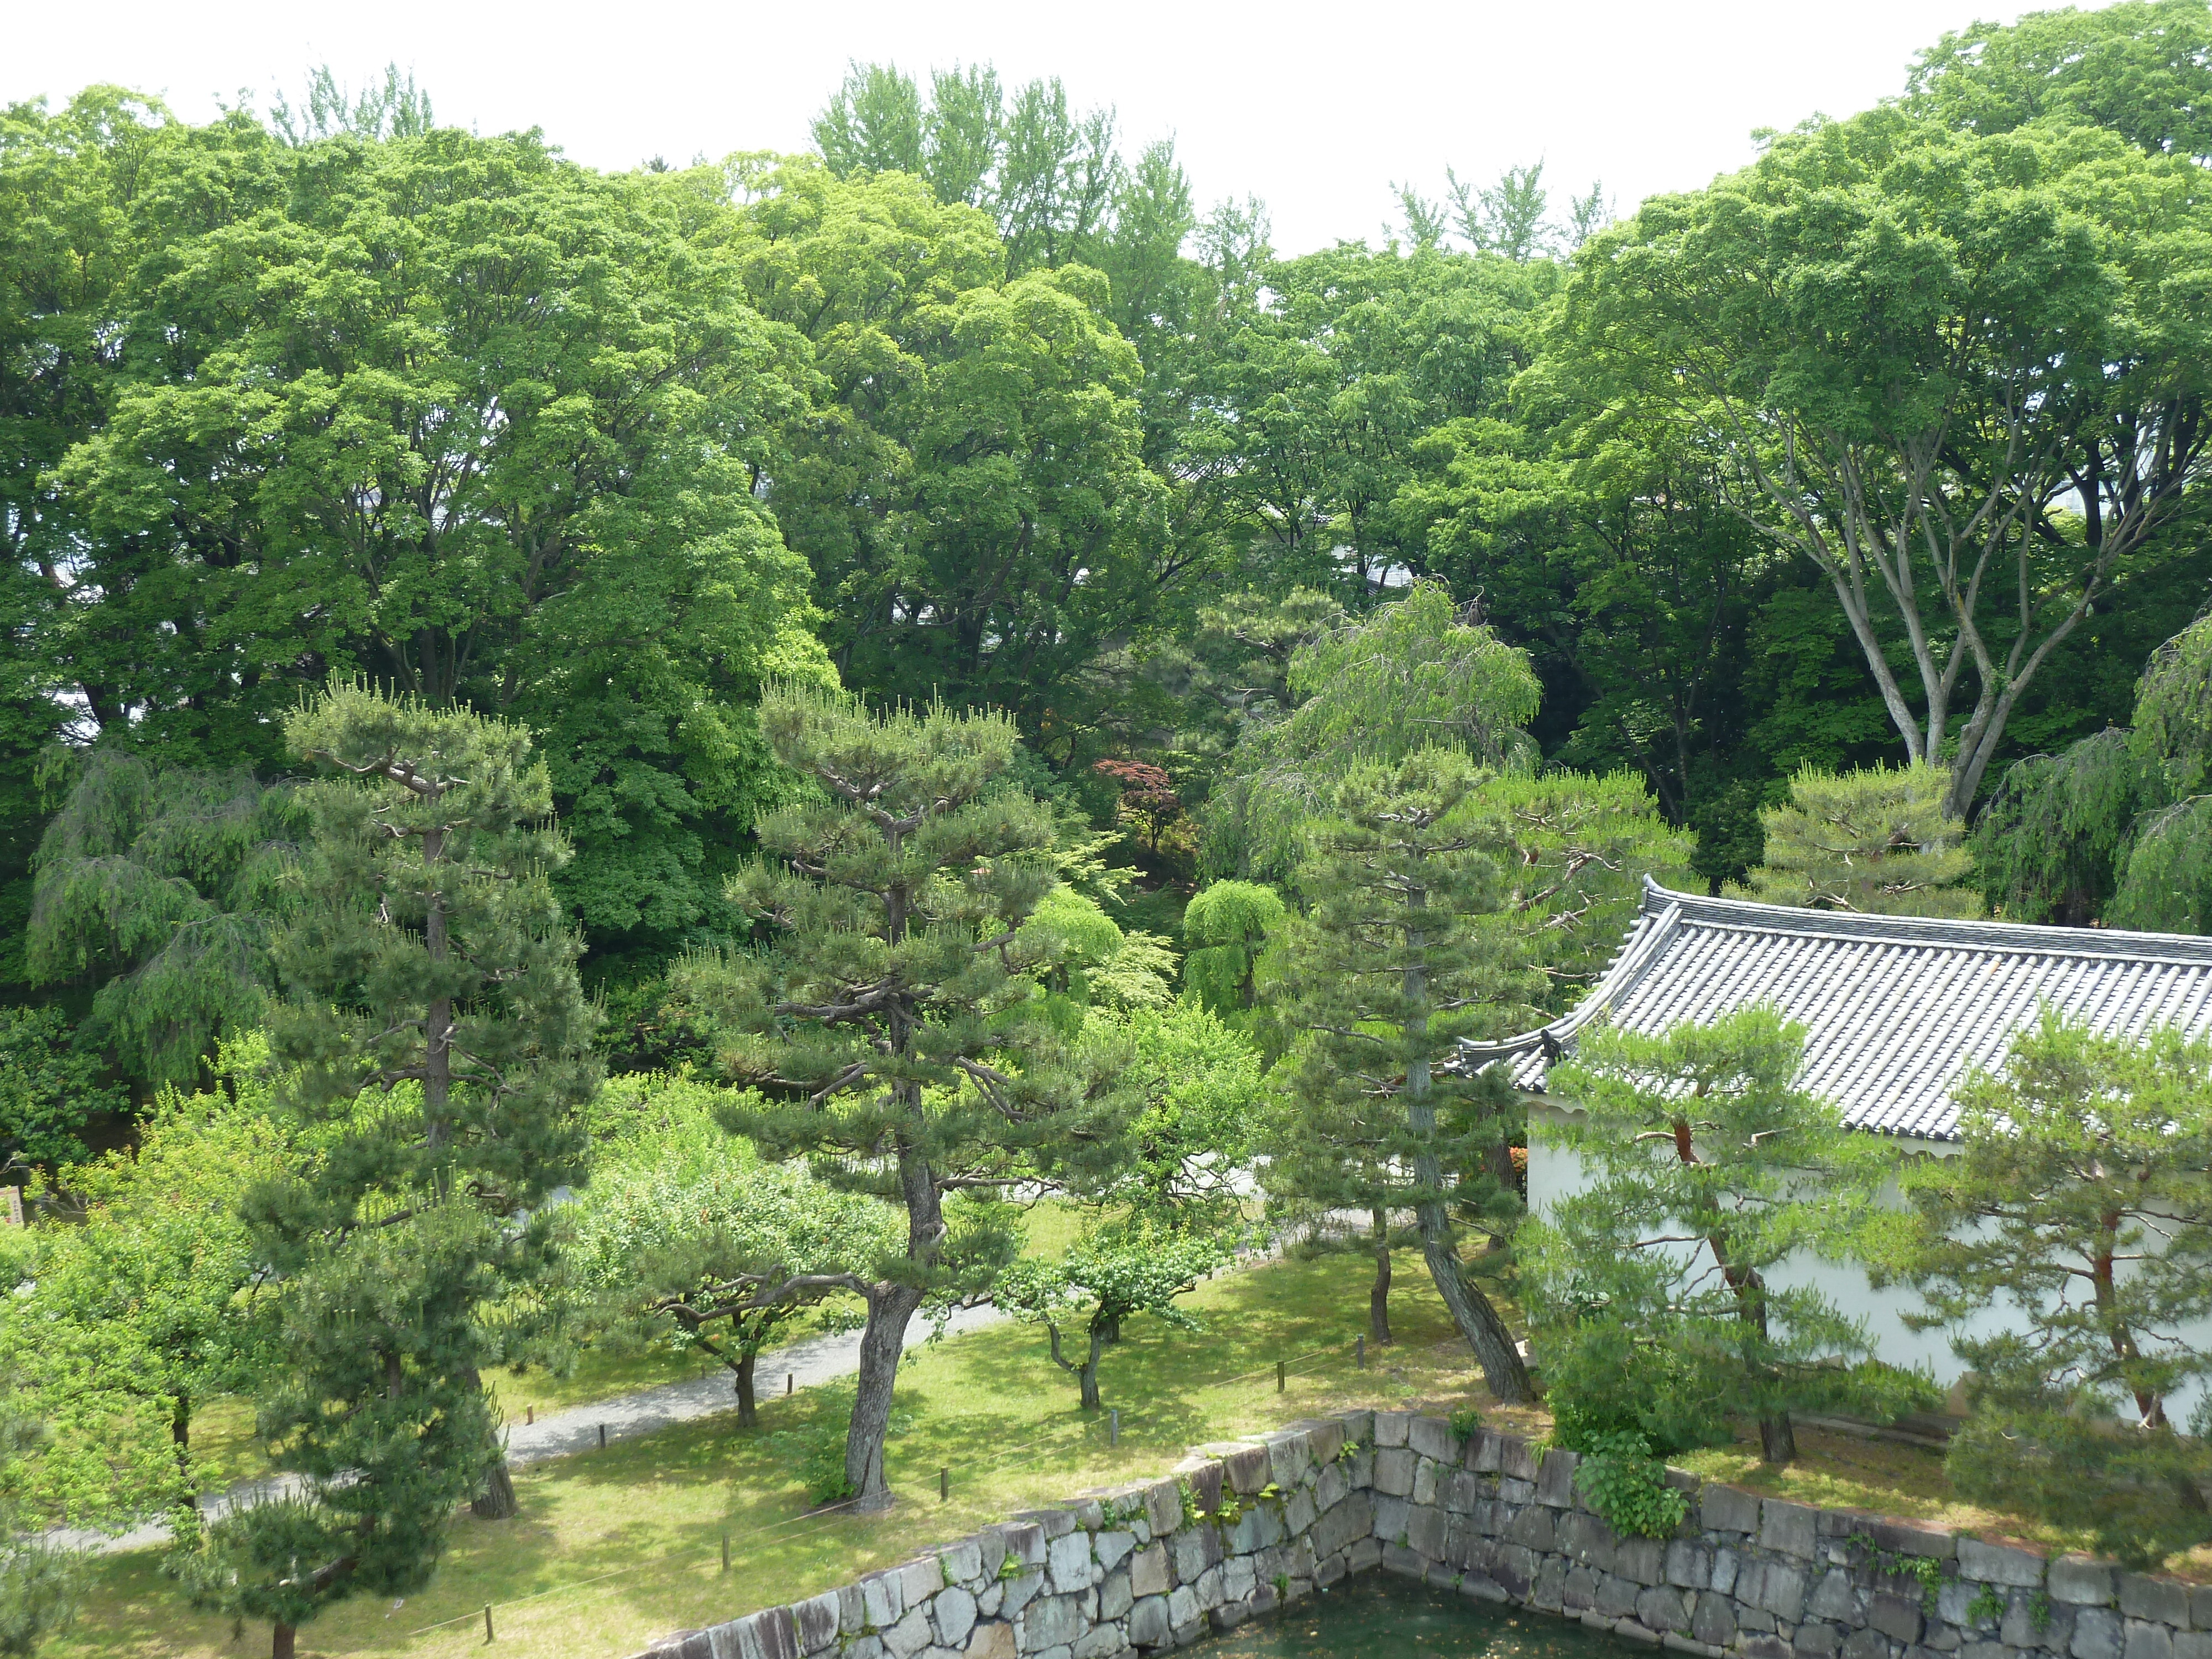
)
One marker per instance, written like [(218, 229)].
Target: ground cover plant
[(989, 1405)]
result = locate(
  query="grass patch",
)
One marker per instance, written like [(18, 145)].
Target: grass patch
[(616, 1547)]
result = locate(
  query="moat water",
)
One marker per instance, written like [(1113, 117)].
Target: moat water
[(1380, 1616)]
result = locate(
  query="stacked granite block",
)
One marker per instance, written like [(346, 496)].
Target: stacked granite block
[(1240, 1528), (1237, 1528)]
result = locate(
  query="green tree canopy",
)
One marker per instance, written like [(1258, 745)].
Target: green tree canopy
[(466, 418), (2142, 69), (894, 1022), (1953, 371), (145, 1310), (1877, 841), (684, 1239), (1228, 925), (1710, 1169)]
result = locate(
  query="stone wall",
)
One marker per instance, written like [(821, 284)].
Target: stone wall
[(1242, 1527)]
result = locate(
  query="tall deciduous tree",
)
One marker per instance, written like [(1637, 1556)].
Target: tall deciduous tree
[(975, 503), (1953, 371), (1390, 969), (459, 414), (895, 1015), (1709, 1168)]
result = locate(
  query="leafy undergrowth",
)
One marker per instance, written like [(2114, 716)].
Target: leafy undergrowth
[(616, 1547)]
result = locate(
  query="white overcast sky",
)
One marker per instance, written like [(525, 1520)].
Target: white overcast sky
[(1314, 109)]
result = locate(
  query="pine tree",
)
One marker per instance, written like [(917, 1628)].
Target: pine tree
[(1391, 967), (1709, 1169), (1875, 841), (894, 1017), (433, 1026), (2081, 1206)]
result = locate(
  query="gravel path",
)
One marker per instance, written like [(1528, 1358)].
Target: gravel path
[(814, 1360)]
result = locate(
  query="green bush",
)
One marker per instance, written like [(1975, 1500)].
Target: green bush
[(815, 1451), (48, 1087), (1627, 1487), (1599, 1386)]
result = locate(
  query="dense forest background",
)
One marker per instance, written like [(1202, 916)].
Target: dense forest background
[(972, 403)]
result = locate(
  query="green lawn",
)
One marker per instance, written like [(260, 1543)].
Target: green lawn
[(228, 1453), (616, 1547)]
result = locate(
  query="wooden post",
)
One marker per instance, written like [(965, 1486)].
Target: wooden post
[(487, 1621), (529, 1415), (1359, 1351), (1280, 1366), (725, 1550), (944, 1483), (1114, 1426), (788, 1378), (603, 1437)]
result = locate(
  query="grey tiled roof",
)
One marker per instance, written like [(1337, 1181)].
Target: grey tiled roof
[(1896, 1009)]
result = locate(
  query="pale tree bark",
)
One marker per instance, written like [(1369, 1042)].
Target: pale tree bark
[(1903, 532)]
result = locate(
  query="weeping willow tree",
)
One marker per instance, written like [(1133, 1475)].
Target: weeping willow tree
[(2049, 845), (162, 886), (1418, 672), (1227, 926), (2118, 827), (2166, 882)]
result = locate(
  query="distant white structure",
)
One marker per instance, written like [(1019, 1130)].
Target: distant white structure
[(1897, 1010)]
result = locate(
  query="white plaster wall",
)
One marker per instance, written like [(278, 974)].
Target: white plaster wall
[(1554, 1172)]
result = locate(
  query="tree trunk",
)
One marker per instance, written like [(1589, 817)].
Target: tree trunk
[(1378, 1299), (181, 1436), (438, 1018), (1777, 1439), (1478, 1321), (747, 1417), (890, 1307), (497, 1501), (282, 1638), (882, 1341), (1088, 1376)]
